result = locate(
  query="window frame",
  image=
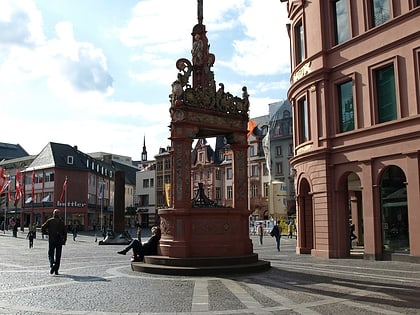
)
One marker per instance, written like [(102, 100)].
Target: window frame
[(369, 5), (337, 85), (335, 24), (373, 87), (303, 121), (299, 42)]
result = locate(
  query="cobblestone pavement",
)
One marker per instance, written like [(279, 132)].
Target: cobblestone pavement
[(96, 280)]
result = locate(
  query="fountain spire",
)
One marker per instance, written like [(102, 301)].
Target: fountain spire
[(200, 11)]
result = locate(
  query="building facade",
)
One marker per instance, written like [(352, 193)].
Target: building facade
[(355, 93), (280, 143), (258, 171), (146, 196)]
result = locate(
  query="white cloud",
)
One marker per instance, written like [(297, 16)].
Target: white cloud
[(74, 89), (20, 24)]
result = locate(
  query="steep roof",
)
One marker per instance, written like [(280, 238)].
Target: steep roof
[(69, 157), (11, 151), (57, 155)]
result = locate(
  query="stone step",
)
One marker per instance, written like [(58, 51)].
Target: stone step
[(201, 261), (207, 270)]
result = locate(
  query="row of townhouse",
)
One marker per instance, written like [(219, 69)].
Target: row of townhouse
[(61, 176)]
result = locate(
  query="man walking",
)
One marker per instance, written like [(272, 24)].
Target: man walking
[(55, 228), (276, 232)]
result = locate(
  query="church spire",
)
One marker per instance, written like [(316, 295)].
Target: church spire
[(144, 153)]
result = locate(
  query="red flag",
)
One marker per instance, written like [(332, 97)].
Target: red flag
[(251, 126), (63, 191), (18, 193), (2, 180)]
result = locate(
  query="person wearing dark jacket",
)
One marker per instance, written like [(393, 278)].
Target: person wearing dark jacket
[(56, 230), (148, 248), (276, 232)]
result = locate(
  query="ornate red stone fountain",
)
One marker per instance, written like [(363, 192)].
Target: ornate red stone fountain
[(199, 237)]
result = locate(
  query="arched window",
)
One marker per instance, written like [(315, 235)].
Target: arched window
[(394, 210)]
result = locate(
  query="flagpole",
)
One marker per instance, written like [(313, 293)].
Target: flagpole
[(102, 188), (5, 217), (65, 205)]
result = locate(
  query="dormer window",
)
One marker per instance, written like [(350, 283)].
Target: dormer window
[(70, 159)]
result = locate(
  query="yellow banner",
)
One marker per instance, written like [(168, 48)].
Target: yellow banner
[(168, 194)]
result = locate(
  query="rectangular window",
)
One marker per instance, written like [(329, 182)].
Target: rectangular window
[(299, 43), (218, 193), (49, 177), (229, 192), (218, 174), (145, 183), (266, 189), (279, 168), (385, 94), (278, 151), (303, 121), (159, 181), (342, 31), (380, 12), (254, 190), (229, 173), (345, 106), (251, 150), (255, 170), (152, 182), (167, 164)]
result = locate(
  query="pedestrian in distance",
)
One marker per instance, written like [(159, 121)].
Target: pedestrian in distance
[(30, 237), (260, 230), (276, 232), (143, 249), (74, 232), (56, 230), (290, 229)]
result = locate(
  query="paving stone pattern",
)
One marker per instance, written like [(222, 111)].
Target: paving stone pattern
[(96, 280)]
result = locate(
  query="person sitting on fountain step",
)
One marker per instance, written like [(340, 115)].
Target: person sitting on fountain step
[(148, 248)]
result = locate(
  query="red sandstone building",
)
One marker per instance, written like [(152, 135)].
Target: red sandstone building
[(355, 93)]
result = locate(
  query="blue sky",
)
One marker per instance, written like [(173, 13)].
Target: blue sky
[(98, 74)]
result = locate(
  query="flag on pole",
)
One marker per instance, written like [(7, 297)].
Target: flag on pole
[(18, 193), (168, 194), (63, 191), (251, 126), (2, 180)]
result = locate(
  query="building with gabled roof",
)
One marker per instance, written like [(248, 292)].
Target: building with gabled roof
[(10, 151), (63, 177)]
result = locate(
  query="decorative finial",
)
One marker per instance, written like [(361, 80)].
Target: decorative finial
[(200, 11)]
